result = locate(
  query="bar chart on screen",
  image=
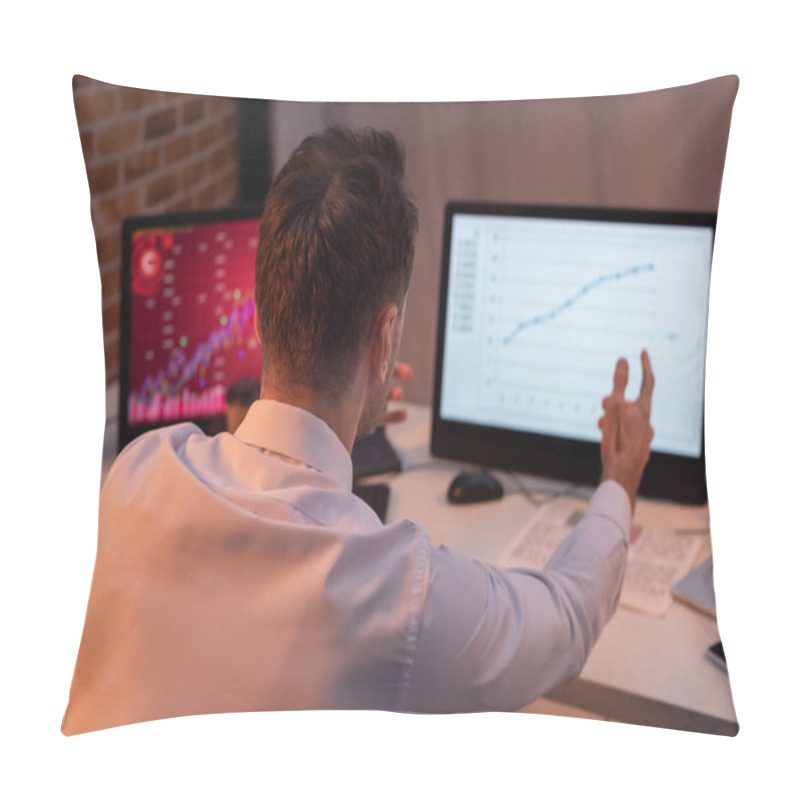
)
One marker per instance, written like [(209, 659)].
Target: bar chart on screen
[(193, 314)]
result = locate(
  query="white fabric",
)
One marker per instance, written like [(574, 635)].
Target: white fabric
[(238, 573)]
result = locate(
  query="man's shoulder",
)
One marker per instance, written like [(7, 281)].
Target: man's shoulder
[(176, 432), (151, 449)]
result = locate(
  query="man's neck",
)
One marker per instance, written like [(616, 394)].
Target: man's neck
[(342, 415)]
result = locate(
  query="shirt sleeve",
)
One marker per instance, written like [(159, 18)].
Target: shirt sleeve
[(495, 640)]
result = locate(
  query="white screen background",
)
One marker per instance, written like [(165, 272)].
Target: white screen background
[(539, 310)]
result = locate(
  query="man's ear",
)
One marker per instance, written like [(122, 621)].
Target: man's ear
[(382, 341)]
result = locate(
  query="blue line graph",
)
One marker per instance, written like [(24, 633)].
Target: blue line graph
[(570, 301)]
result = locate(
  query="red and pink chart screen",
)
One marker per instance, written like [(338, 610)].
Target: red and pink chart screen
[(192, 331)]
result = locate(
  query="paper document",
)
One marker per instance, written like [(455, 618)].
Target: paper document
[(656, 561), (541, 536)]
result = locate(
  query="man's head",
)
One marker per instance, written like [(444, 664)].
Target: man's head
[(335, 254)]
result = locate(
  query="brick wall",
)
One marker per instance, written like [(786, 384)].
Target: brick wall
[(149, 152)]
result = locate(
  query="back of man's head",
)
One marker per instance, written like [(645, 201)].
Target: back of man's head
[(336, 244)]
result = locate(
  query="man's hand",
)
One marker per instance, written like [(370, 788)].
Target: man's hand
[(401, 372), (625, 446)]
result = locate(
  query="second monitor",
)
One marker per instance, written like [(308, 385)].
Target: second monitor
[(538, 303)]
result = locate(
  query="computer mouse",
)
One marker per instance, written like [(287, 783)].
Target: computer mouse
[(474, 487)]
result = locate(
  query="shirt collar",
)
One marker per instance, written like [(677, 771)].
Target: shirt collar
[(299, 435)]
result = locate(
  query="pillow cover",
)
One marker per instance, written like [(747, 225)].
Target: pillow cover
[(149, 152)]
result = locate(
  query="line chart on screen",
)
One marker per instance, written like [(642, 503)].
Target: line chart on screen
[(540, 310), (553, 333)]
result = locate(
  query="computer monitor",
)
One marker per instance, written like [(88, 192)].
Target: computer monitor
[(537, 304), (188, 343), (187, 317)]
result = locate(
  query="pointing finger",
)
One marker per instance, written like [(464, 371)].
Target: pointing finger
[(620, 379)]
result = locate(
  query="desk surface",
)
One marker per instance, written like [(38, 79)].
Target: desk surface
[(644, 670)]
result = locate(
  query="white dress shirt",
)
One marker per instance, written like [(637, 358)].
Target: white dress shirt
[(239, 573)]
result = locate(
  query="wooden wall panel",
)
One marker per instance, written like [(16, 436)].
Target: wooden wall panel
[(663, 149)]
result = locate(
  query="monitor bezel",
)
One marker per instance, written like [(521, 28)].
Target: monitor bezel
[(671, 477), (127, 432)]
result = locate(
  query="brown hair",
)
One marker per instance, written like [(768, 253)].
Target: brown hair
[(336, 244)]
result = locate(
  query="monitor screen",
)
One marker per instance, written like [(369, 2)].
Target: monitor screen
[(187, 316), (537, 306)]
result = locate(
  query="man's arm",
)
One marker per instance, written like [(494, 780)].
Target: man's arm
[(493, 639)]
